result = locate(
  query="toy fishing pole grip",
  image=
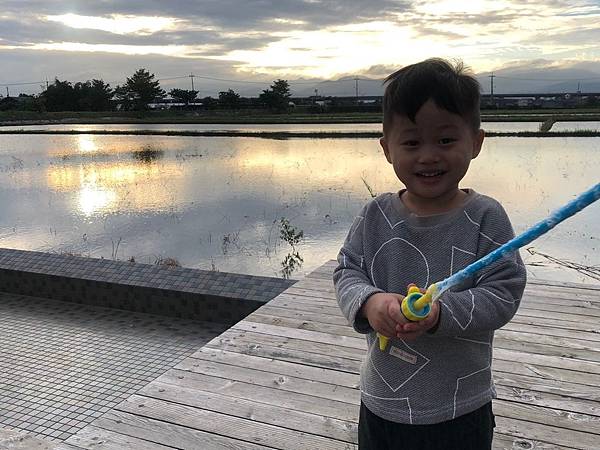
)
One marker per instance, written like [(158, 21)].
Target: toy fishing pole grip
[(415, 306)]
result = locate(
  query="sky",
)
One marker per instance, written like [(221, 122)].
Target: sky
[(250, 43)]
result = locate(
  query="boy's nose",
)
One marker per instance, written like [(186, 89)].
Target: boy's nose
[(428, 154)]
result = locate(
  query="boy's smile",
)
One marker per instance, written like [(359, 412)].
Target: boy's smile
[(430, 156)]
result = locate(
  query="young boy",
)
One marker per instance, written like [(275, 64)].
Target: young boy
[(431, 388)]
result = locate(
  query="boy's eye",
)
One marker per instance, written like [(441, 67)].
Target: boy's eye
[(410, 143), (446, 141)]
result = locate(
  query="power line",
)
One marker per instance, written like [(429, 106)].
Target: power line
[(21, 84), (227, 80), (548, 79)]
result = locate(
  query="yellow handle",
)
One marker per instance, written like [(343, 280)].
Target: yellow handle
[(411, 312), (383, 342)]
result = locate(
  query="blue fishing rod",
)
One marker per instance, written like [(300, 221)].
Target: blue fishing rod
[(416, 306)]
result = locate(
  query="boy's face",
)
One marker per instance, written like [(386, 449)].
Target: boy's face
[(431, 156)]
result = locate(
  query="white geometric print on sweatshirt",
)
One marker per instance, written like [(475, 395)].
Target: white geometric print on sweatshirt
[(395, 251), (402, 372), (481, 372)]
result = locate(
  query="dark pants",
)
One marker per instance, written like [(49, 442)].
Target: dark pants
[(473, 431)]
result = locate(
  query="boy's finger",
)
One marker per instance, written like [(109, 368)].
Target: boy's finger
[(395, 312)]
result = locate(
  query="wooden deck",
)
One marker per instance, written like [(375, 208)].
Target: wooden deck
[(287, 377)]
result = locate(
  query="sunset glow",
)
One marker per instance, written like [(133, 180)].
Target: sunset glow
[(116, 23)]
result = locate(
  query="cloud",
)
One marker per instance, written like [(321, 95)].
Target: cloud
[(266, 39)]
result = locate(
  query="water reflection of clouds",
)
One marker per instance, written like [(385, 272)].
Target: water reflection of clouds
[(182, 206), (116, 186)]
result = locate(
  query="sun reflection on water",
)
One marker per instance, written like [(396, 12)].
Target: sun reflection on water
[(92, 199), (86, 143)]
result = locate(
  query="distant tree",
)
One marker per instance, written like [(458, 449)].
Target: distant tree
[(60, 96), (209, 102), (183, 95), (592, 101), (229, 99), (276, 98), (94, 95), (139, 90), (8, 103)]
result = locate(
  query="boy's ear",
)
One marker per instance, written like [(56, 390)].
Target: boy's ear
[(477, 142), (385, 148)]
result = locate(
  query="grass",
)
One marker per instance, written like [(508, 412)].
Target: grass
[(291, 134), (262, 117)]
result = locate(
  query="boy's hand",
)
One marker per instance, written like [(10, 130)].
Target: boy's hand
[(412, 330), (381, 310)]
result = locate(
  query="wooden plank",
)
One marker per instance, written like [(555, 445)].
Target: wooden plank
[(545, 399), (94, 437), (317, 317), (138, 428), (545, 360), (543, 345), (548, 416), (562, 293), (307, 372), (340, 330), (563, 389), (268, 395), (504, 442), (546, 350), (551, 331), (324, 296), (569, 302), (355, 341), (307, 306), (555, 323), (546, 374), (253, 340), (264, 378), (293, 356), (270, 414), (584, 309), (563, 284), (243, 429), (564, 316), (546, 433)]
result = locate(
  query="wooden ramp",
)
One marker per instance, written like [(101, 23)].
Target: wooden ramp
[(287, 377)]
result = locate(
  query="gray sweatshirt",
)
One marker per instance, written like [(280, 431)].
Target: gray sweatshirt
[(447, 373)]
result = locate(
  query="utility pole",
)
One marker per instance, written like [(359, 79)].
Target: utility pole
[(492, 76), (356, 88), (192, 77), (7, 94)]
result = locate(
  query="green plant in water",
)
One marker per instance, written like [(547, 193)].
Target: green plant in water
[(288, 233), (292, 261), (148, 154), (369, 188)]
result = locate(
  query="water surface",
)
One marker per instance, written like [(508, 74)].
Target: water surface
[(216, 202)]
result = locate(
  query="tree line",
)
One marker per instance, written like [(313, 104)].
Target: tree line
[(137, 93)]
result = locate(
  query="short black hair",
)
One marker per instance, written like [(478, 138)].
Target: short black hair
[(451, 86)]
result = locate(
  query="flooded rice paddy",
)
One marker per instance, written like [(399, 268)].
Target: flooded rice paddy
[(217, 203)]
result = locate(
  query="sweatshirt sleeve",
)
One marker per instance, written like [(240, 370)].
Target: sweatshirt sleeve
[(494, 294), (353, 285)]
